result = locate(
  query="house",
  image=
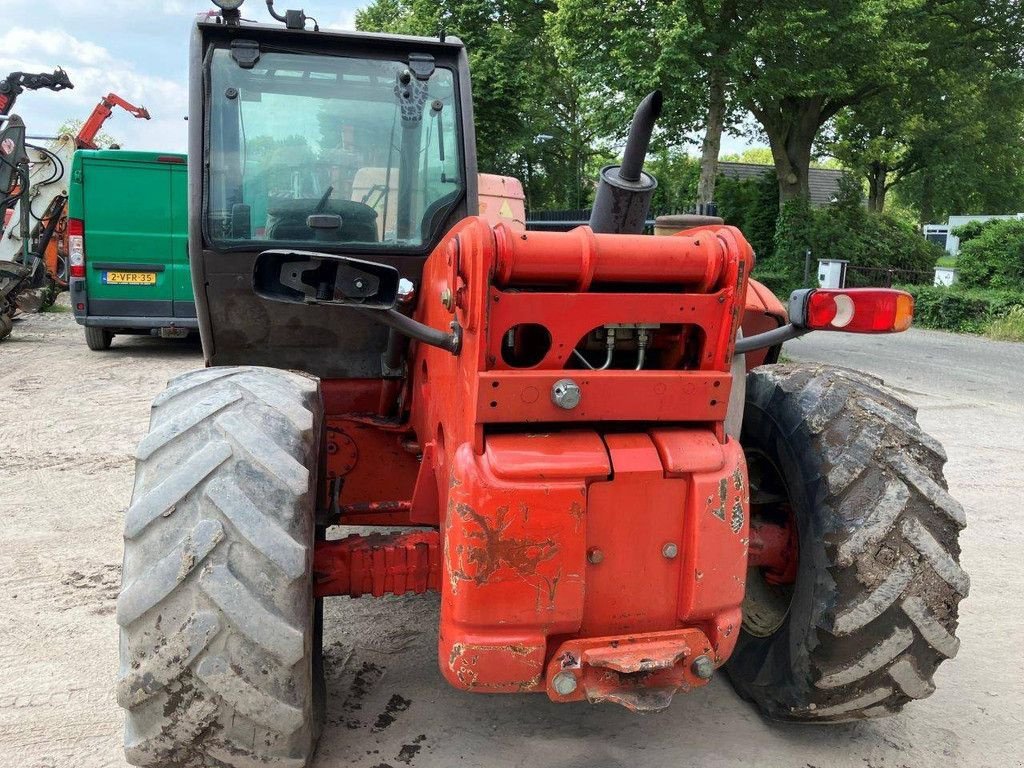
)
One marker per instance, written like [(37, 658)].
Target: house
[(942, 234), (823, 182)]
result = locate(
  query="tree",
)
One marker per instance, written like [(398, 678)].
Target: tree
[(683, 47), (532, 119), (793, 65), (977, 164), (807, 61), (72, 126), (965, 102)]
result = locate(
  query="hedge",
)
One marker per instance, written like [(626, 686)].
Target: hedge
[(994, 257), (845, 230), (962, 310)]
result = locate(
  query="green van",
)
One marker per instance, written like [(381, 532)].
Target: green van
[(128, 245)]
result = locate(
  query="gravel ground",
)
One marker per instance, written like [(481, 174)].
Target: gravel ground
[(69, 421)]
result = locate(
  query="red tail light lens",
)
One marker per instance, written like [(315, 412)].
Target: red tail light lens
[(860, 310), (76, 247)]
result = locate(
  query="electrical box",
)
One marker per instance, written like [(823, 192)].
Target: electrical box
[(945, 276), (832, 273)]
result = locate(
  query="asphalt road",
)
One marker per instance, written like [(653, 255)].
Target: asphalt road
[(926, 363), (69, 421)]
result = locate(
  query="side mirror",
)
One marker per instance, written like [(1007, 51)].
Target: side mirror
[(306, 277)]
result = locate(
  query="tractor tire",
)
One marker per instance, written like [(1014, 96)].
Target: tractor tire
[(98, 339), (873, 609), (219, 627), (6, 325)]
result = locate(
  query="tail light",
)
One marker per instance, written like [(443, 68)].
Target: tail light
[(853, 310), (76, 247)]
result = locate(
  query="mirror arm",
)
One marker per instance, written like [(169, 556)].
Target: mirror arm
[(416, 330), (770, 338)]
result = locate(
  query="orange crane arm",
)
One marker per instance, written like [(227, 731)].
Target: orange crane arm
[(87, 133)]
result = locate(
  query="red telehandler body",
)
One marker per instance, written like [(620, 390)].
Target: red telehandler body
[(584, 438)]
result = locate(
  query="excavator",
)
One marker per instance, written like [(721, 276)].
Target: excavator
[(33, 211)]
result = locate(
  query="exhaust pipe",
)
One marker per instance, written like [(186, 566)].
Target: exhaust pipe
[(624, 191)]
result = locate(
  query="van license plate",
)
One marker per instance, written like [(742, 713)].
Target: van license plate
[(129, 278)]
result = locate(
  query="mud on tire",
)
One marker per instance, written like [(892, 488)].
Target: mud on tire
[(218, 624), (873, 611)]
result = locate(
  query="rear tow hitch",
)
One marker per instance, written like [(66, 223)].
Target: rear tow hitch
[(640, 672)]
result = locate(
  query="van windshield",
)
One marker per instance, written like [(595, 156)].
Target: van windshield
[(307, 147)]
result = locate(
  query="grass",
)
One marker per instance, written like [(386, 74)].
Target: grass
[(1008, 328), (946, 261), (58, 307)]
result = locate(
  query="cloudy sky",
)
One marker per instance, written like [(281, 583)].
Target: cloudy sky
[(135, 48)]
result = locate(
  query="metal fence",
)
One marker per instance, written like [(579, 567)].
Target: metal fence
[(564, 220), (883, 277)]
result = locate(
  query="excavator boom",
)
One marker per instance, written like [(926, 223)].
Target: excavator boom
[(86, 137), (16, 83)]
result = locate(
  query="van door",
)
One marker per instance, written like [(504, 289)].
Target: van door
[(126, 243), (181, 277)]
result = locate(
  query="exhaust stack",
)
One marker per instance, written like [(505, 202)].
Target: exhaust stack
[(624, 191)]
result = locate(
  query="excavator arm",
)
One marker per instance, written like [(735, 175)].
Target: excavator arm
[(86, 137), (16, 83)]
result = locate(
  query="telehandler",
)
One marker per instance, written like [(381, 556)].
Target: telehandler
[(584, 438)]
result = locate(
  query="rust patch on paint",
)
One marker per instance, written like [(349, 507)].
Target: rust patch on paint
[(736, 522), (479, 562), (465, 656), (576, 510), (723, 495)]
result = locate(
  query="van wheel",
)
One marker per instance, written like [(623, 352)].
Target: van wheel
[(220, 653), (98, 339)]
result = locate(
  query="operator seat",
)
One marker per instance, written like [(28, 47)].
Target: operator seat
[(286, 220)]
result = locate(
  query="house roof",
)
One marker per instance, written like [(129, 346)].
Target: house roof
[(823, 182)]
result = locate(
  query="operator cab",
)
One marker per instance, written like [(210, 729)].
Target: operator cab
[(331, 148), (349, 143)]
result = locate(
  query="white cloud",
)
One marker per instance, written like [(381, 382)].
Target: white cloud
[(95, 71), (345, 20), (135, 48)]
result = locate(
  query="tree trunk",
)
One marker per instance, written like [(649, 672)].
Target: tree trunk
[(877, 188), (712, 139), (791, 151), (793, 165), (791, 125)]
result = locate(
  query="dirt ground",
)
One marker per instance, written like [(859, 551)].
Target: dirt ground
[(70, 419)]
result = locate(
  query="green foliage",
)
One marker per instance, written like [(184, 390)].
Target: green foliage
[(753, 206), (995, 257), (970, 230), (1008, 328), (532, 119), (964, 310), (756, 155), (967, 155), (846, 231), (927, 95), (72, 126), (677, 176)]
